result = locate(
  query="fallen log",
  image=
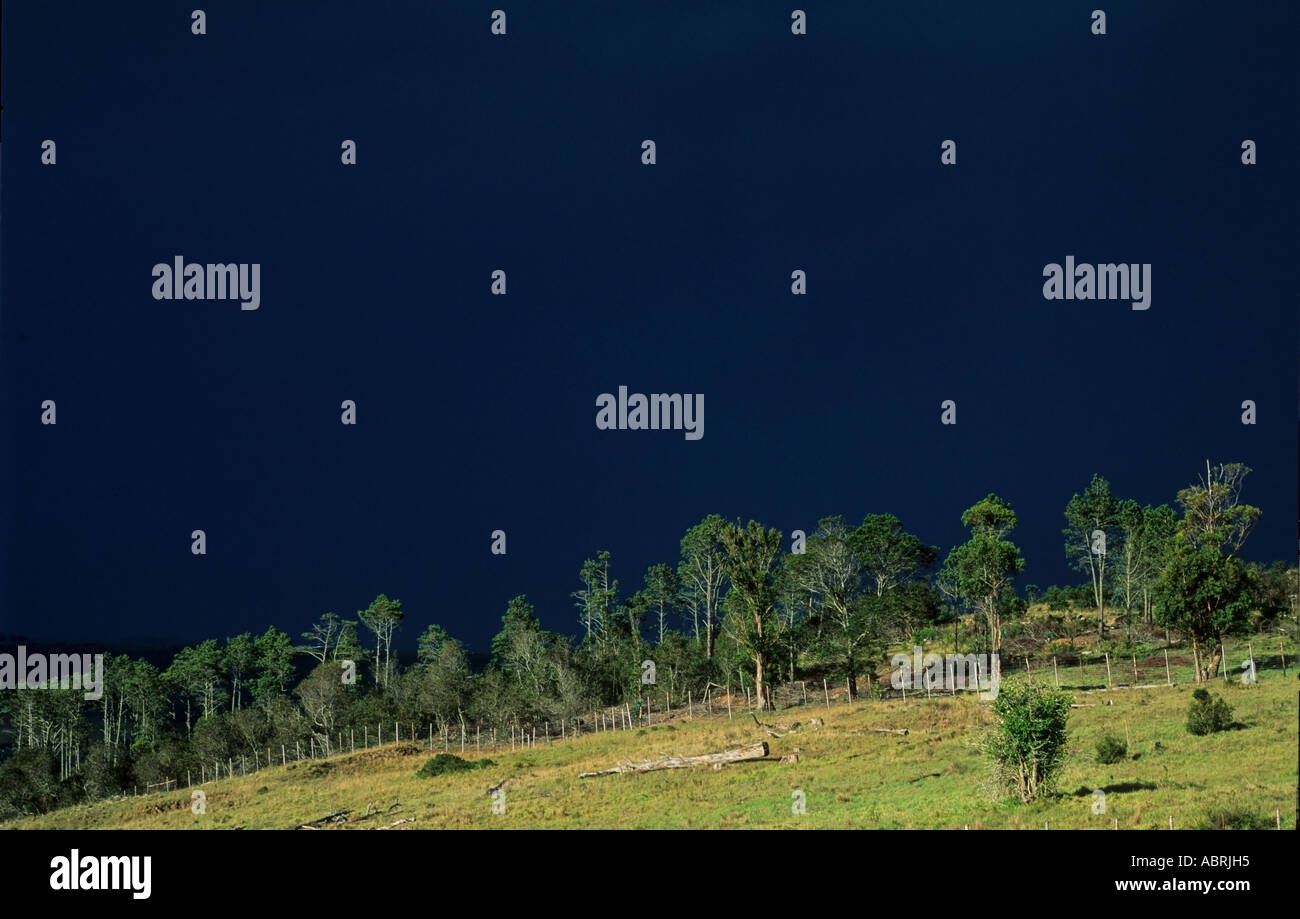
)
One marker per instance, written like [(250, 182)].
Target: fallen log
[(739, 755), (335, 817), (900, 731), (789, 728), (370, 812), (394, 823)]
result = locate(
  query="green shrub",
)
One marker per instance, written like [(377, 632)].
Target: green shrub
[(1208, 714), (1028, 743), (1233, 818), (447, 763), (1110, 749)]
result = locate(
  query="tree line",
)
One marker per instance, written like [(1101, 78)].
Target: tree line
[(739, 608)]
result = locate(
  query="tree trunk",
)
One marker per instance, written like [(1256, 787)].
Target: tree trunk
[(739, 755), (1211, 660)]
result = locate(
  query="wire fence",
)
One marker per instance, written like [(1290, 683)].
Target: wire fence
[(1246, 662)]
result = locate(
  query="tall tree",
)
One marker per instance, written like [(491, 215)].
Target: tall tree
[(324, 699), (751, 556), (987, 563), (239, 657), (662, 589), (382, 617), (1213, 514), (889, 554), (274, 665), (702, 573), (429, 644), (196, 674), (1094, 530), (833, 574), (1155, 540), (1204, 590), (519, 650), (1204, 593), (323, 636), (597, 598), (445, 678)]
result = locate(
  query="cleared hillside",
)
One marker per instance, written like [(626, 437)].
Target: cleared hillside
[(849, 776)]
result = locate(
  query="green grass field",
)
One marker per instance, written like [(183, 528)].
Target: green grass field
[(849, 777)]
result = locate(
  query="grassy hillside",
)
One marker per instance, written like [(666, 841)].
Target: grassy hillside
[(850, 777)]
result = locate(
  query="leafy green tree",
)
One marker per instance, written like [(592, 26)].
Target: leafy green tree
[(1204, 594), (751, 556), (348, 647), (888, 554), (1213, 513), (598, 597), (196, 673), (662, 587), (634, 611), (239, 658), (519, 618), (1155, 539), (832, 574), (1147, 533), (382, 617), (987, 563), (1028, 744), (445, 681), (1095, 528), (1204, 590), (702, 573), (522, 652), (430, 642), (1272, 589), (29, 783), (324, 699), (274, 654)]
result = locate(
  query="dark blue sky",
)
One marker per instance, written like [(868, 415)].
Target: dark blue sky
[(522, 152)]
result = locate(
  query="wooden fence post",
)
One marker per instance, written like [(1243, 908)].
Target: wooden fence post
[(1168, 678), (1056, 674), (827, 691)]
